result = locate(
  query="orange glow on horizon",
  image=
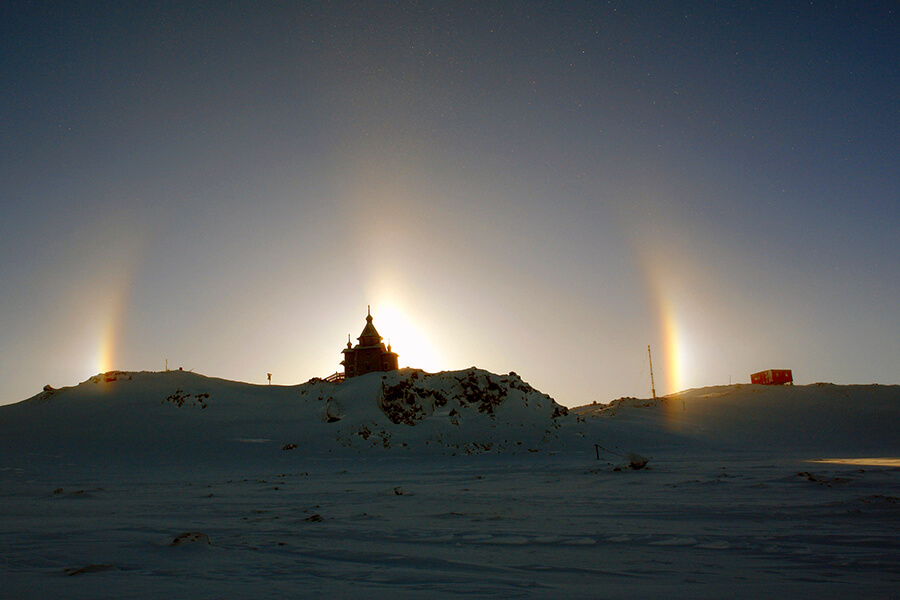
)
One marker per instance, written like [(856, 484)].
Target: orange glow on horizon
[(673, 348), (668, 278), (109, 328), (406, 337), (106, 349)]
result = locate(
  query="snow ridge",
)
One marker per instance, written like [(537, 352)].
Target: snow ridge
[(181, 415)]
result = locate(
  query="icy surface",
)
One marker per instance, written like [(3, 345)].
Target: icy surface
[(150, 485)]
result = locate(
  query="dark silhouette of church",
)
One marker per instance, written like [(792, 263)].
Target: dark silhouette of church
[(369, 355)]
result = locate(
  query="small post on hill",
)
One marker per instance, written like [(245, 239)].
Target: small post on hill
[(270, 378)]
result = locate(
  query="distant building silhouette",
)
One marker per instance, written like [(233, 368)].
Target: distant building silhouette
[(369, 355), (773, 377)]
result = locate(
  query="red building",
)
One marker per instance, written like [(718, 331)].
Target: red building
[(772, 377), (369, 354)]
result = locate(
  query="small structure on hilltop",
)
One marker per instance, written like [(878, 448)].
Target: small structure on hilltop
[(773, 377), (370, 354)]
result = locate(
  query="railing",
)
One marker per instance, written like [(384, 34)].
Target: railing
[(335, 377)]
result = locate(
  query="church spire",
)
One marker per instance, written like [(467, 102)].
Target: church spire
[(370, 354), (369, 335)]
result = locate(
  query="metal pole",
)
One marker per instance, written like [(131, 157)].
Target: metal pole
[(652, 385)]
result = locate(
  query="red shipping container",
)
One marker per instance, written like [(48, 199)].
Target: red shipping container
[(772, 377)]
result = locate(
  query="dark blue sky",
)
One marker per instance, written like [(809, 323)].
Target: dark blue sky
[(541, 187)]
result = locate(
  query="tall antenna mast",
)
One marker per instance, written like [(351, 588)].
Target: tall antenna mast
[(652, 385)]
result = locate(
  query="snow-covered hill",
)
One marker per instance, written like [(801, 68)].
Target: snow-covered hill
[(178, 415), (812, 418), (453, 485)]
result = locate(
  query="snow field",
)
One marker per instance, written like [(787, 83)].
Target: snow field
[(540, 527), (461, 484)]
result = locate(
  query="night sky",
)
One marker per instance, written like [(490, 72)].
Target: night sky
[(539, 187)]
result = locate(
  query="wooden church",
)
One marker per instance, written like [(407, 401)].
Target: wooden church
[(369, 355)]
